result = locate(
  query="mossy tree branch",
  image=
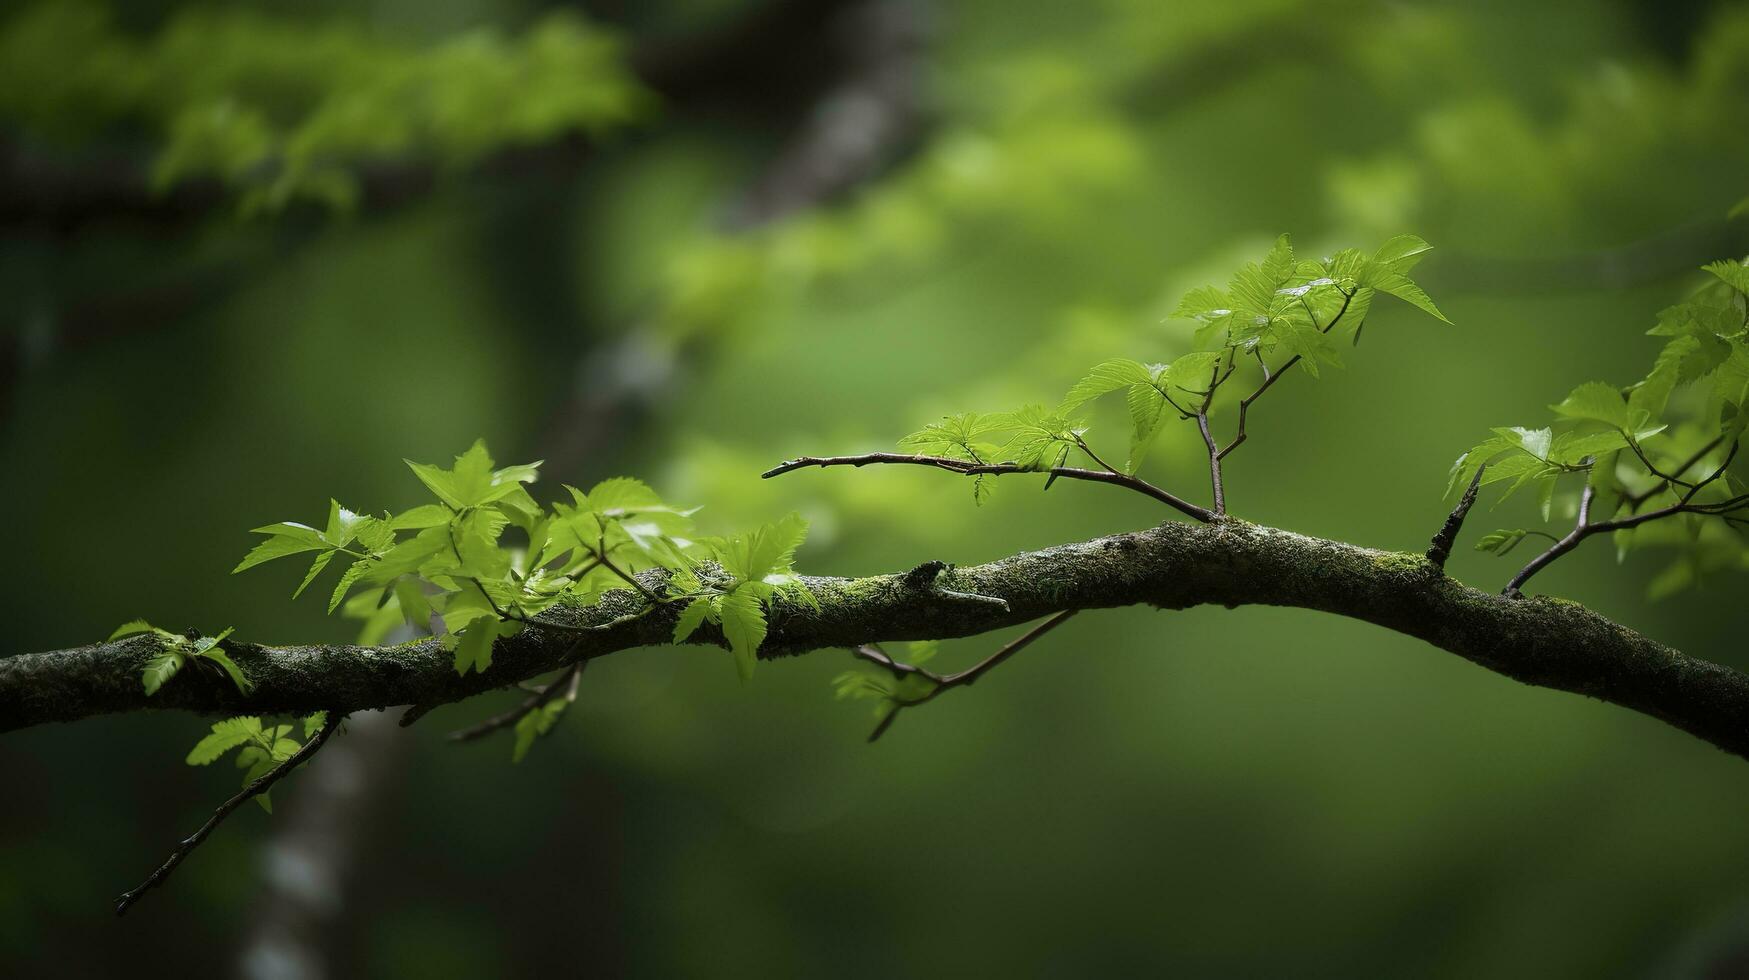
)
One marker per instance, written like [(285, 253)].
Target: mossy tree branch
[(1544, 642)]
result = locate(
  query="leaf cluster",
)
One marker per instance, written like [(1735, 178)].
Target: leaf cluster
[(177, 650), (484, 560), (261, 747), (1284, 309), (1653, 456)]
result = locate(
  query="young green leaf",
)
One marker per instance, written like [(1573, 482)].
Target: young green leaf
[(133, 627), (226, 735), (1502, 541), (536, 723), (744, 627), (691, 618), (159, 670)]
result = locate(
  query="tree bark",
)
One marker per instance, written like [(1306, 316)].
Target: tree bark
[(1545, 642)]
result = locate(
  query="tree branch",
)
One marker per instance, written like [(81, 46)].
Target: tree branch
[(1554, 644), (256, 788)]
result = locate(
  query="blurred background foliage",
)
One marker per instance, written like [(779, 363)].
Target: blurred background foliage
[(253, 254)]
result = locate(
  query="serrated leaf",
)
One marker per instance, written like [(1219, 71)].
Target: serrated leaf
[(280, 544), (1399, 286), (133, 627), (473, 646), (472, 481), (1502, 541), (348, 579), (744, 627), (1106, 377), (691, 618), (316, 567), (218, 656), (159, 669), (1402, 253), (1193, 372), (752, 556), (1595, 401), (1733, 273), (1533, 441), (226, 735), (415, 608), (313, 723), (536, 723), (420, 517)]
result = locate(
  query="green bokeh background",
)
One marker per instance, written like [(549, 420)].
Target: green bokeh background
[(1203, 793)]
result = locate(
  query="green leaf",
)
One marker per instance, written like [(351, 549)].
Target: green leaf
[(1402, 253), (1106, 377), (348, 579), (744, 627), (1595, 401), (771, 548), (1533, 441), (1148, 406), (1501, 542), (690, 619), (1572, 448), (1041, 438), (226, 735), (1732, 272), (133, 627), (1279, 264), (343, 525), (283, 539), (1399, 286), (316, 567), (622, 495), (160, 669), (473, 646), (218, 656), (423, 516), (415, 608), (472, 482), (313, 723), (536, 723), (956, 437), (1194, 372)]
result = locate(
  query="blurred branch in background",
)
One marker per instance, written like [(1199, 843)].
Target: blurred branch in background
[(858, 124)]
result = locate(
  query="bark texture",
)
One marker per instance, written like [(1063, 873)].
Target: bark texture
[(1546, 642)]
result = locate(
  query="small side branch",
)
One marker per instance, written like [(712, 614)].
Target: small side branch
[(1585, 527), (1447, 536), (968, 468), (254, 789), (947, 682), (1271, 377), (565, 686)]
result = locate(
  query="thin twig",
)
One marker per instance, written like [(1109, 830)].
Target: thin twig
[(566, 683), (965, 468), (1220, 493), (255, 788), (1585, 528), (1635, 500), (1269, 379), (947, 682)]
